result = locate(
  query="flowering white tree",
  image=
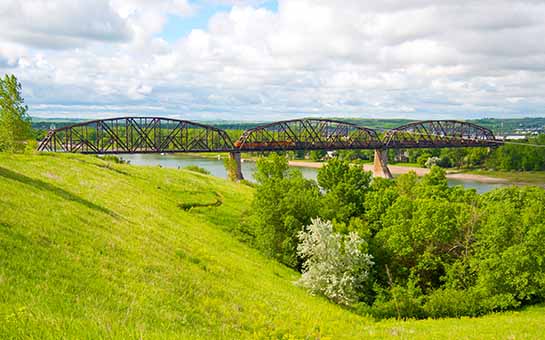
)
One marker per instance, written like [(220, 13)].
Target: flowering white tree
[(334, 264), (432, 161)]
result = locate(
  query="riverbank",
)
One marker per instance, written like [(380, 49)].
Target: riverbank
[(214, 163), (516, 177), (402, 169)]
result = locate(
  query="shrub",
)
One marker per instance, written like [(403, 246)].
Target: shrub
[(248, 183), (453, 303), (444, 162), (398, 301), (317, 155), (334, 264), (31, 146), (422, 159), (231, 168), (114, 159), (196, 168)]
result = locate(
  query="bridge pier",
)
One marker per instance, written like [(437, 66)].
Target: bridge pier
[(234, 168), (380, 165)]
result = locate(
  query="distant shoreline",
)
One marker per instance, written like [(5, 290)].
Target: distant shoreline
[(455, 174), (399, 170)]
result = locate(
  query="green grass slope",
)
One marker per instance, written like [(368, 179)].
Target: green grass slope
[(91, 249)]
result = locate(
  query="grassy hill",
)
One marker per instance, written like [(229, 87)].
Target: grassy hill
[(93, 249)]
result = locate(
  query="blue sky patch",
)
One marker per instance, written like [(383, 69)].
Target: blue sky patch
[(177, 27)]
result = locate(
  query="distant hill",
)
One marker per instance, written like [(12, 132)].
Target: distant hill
[(513, 125)]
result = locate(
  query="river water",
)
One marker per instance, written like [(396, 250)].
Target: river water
[(216, 168)]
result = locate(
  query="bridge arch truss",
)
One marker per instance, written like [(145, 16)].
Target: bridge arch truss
[(136, 135), (439, 134), (308, 134)]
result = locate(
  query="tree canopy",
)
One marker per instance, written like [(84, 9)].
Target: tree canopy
[(437, 250), (15, 126)]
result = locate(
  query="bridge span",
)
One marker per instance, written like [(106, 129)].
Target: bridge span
[(168, 135)]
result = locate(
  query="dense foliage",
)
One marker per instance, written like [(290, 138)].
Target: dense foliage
[(508, 157), (521, 156), (14, 121), (284, 203), (437, 250), (344, 190)]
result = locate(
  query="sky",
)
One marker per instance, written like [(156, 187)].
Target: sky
[(263, 60)]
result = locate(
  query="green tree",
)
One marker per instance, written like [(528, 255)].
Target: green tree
[(15, 126), (422, 159), (284, 202), (420, 228), (509, 256), (345, 188), (519, 157), (317, 155)]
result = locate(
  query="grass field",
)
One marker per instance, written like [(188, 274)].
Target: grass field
[(91, 249)]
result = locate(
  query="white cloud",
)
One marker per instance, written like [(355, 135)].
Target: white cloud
[(417, 58), (139, 91), (60, 23)]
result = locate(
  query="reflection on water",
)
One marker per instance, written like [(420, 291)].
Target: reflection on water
[(216, 168), (480, 187)]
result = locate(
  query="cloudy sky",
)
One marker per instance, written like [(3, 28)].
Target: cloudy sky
[(264, 60)]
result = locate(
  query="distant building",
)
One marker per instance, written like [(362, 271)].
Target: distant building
[(513, 137), (331, 154), (401, 156)]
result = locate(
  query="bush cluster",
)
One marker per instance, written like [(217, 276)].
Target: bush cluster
[(114, 159), (196, 168), (335, 265), (436, 250)]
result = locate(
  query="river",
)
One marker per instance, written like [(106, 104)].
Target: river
[(216, 168)]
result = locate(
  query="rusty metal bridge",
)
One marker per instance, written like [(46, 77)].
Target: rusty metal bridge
[(166, 135)]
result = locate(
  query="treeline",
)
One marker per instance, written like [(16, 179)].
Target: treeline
[(519, 157), (409, 247), (508, 157)]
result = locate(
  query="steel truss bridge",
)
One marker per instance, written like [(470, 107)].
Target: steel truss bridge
[(167, 135)]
